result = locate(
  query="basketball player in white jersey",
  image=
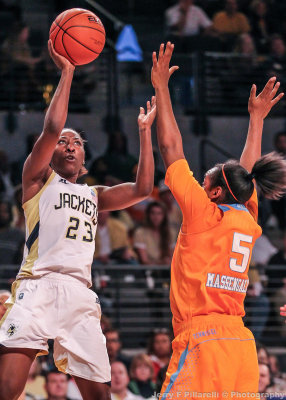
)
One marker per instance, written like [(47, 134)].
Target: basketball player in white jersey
[(50, 298)]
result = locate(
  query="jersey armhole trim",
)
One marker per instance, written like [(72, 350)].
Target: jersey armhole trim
[(26, 204)]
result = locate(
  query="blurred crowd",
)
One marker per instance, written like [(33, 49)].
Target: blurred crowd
[(253, 31)]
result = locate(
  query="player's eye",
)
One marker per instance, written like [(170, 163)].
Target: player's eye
[(78, 143), (61, 141)]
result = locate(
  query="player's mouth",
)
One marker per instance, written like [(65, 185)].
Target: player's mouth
[(70, 158)]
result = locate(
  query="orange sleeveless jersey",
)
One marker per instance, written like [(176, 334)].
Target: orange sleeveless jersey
[(211, 258)]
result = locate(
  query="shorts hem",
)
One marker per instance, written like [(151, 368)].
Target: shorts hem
[(41, 351), (68, 371)]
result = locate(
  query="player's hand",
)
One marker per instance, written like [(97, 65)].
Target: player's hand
[(146, 120), (283, 311), (60, 61), (260, 106), (161, 70)]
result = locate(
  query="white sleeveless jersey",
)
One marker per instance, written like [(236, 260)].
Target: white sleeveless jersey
[(61, 223)]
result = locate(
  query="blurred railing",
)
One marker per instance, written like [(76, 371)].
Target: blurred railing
[(25, 87), (136, 299)]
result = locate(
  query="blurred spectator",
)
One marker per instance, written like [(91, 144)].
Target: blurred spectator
[(160, 349), (35, 382), (56, 385), (230, 23), (260, 25), (6, 186), (17, 167), (262, 353), (161, 378), (113, 345), (277, 276), (185, 22), (119, 383), (155, 240), (279, 299), (244, 66), (279, 206), (141, 373), (276, 62), (11, 241), (105, 323), (111, 241), (4, 295), (277, 376), (257, 304), (116, 161), (20, 62), (263, 250), (173, 210), (264, 377)]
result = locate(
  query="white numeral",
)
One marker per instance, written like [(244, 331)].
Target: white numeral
[(238, 248)]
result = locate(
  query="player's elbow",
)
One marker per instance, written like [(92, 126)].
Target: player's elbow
[(144, 190)]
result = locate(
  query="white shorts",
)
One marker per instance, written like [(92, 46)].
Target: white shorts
[(62, 308)]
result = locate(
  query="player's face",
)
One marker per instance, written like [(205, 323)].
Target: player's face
[(119, 377), (57, 385), (68, 156)]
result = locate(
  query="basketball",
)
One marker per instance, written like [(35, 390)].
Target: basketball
[(78, 35)]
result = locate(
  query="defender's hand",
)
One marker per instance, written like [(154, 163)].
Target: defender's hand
[(161, 70), (260, 106), (146, 120)]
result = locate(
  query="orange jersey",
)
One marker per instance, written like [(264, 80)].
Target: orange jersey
[(209, 272)]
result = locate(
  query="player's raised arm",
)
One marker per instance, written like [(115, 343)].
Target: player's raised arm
[(36, 168), (168, 133), (258, 108), (126, 194)]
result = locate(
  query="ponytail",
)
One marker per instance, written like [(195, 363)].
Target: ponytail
[(269, 173)]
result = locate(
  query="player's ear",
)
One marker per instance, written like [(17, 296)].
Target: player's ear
[(215, 192)]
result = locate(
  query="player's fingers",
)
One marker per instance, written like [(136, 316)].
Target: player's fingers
[(153, 101), (269, 86), (275, 89), (161, 52), (252, 92), (142, 111), (278, 98), (169, 51), (154, 59), (173, 69), (148, 106)]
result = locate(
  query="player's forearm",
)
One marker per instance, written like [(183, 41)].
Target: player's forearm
[(57, 112), (168, 133), (252, 149), (145, 174)]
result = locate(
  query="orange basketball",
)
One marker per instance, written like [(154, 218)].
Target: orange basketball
[(78, 35)]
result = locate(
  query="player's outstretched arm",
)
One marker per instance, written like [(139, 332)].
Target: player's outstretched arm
[(258, 108), (36, 168), (168, 133), (126, 194)]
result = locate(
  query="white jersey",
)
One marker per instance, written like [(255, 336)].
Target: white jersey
[(61, 223)]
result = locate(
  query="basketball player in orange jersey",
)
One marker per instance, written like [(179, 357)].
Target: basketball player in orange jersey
[(50, 297), (213, 353)]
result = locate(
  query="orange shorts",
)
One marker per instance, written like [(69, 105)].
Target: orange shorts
[(214, 356)]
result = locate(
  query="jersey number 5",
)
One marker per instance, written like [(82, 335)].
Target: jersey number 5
[(237, 247)]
